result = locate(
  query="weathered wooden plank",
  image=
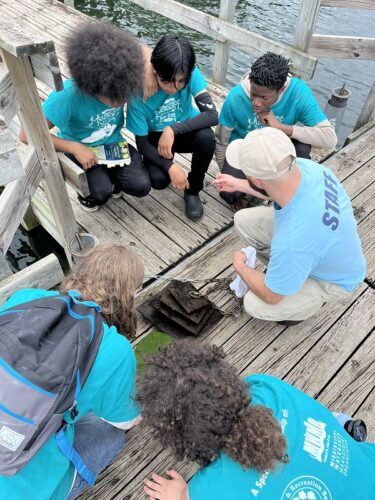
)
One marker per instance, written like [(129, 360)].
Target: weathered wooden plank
[(349, 4), (302, 64), (342, 47), (35, 126), (21, 40), (367, 111), (226, 12), (366, 230), (367, 413), (74, 175), (8, 98), (288, 349), (16, 198), (355, 135), (308, 13), (10, 163), (350, 158), (354, 382), (322, 362), (46, 69), (361, 180), (5, 270), (44, 273)]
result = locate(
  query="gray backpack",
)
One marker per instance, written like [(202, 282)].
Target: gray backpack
[(47, 349)]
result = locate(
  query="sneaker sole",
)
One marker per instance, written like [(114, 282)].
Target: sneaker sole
[(117, 195), (89, 209)]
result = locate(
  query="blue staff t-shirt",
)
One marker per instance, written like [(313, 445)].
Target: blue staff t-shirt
[(325, 463), (315, 235), (162, 109), (83, 118), (108, 393), (297, 105)]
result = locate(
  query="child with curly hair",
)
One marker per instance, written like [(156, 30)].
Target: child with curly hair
[(107, 68), (253, 438), (168, 123)]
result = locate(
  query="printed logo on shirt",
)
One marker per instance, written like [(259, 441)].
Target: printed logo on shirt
[(105, 124), (254, 123), (315, 436), (331, 215), (167, 112), (306, 488)]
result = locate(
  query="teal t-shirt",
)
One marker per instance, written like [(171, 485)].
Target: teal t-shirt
[(297, 105), (161, 110), (315, 235), (108, 393), (325, 462), (82, 118)]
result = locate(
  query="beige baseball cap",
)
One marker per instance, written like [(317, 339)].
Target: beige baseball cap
[(265, 153)]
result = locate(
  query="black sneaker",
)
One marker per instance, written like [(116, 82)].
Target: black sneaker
[(87, 205), (117, 193), (193, 206), (357, 429)]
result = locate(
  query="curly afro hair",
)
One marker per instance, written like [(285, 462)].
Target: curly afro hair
[(270, 70), (105, 61), (198, 406)]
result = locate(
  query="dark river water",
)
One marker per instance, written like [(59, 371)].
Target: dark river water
[(275, 19)]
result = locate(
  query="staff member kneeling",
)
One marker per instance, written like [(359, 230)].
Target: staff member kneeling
[(308, 238)]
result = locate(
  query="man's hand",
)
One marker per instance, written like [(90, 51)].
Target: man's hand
[(268, 118), (160, 488), (150, 84), (84, 155), (165, 143), (227, 183), (178, 177), (239, 260)]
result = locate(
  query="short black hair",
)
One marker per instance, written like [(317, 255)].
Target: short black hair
[(173, 55), (270, 70), (105, 60)]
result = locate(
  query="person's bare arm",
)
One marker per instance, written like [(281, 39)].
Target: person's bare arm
[(254, 280), (84, 155), (150, 85)]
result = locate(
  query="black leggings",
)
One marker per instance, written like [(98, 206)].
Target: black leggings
[(200, 142), (132, 179), (302, 150)]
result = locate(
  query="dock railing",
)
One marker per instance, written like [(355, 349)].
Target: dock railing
[(27, 55)]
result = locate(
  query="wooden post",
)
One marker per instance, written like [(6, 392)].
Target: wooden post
[(4, 267), (305, 26), (227, 8), (367, 110), (69, 3), (37, 132)]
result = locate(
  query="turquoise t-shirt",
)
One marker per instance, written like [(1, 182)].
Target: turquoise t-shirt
[(297, 105), (325, 462), (82, 118), (161, 110), (315, 235), (108, 393)]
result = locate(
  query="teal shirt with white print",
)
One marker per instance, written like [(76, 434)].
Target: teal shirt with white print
[(325, 463), (297, 105), (108, 393), (83, 118), (162, 110)]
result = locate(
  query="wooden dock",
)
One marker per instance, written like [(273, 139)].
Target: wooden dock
[(330, 356)]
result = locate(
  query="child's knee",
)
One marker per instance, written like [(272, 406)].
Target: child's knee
[(205, 138)]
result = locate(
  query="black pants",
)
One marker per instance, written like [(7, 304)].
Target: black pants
[(302, 150), (132, 179), (200, 142)]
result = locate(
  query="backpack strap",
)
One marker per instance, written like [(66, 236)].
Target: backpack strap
[(71, 454)]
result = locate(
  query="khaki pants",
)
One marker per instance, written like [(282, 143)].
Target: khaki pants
[(255, 227)]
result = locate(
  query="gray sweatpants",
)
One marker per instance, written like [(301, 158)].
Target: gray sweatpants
[(255, 227)]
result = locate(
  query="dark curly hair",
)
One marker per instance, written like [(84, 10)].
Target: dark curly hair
[(270, 70), (173, 55), (198, 406), (105, 60)]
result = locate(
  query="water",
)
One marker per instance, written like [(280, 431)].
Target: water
[(275, 19)]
